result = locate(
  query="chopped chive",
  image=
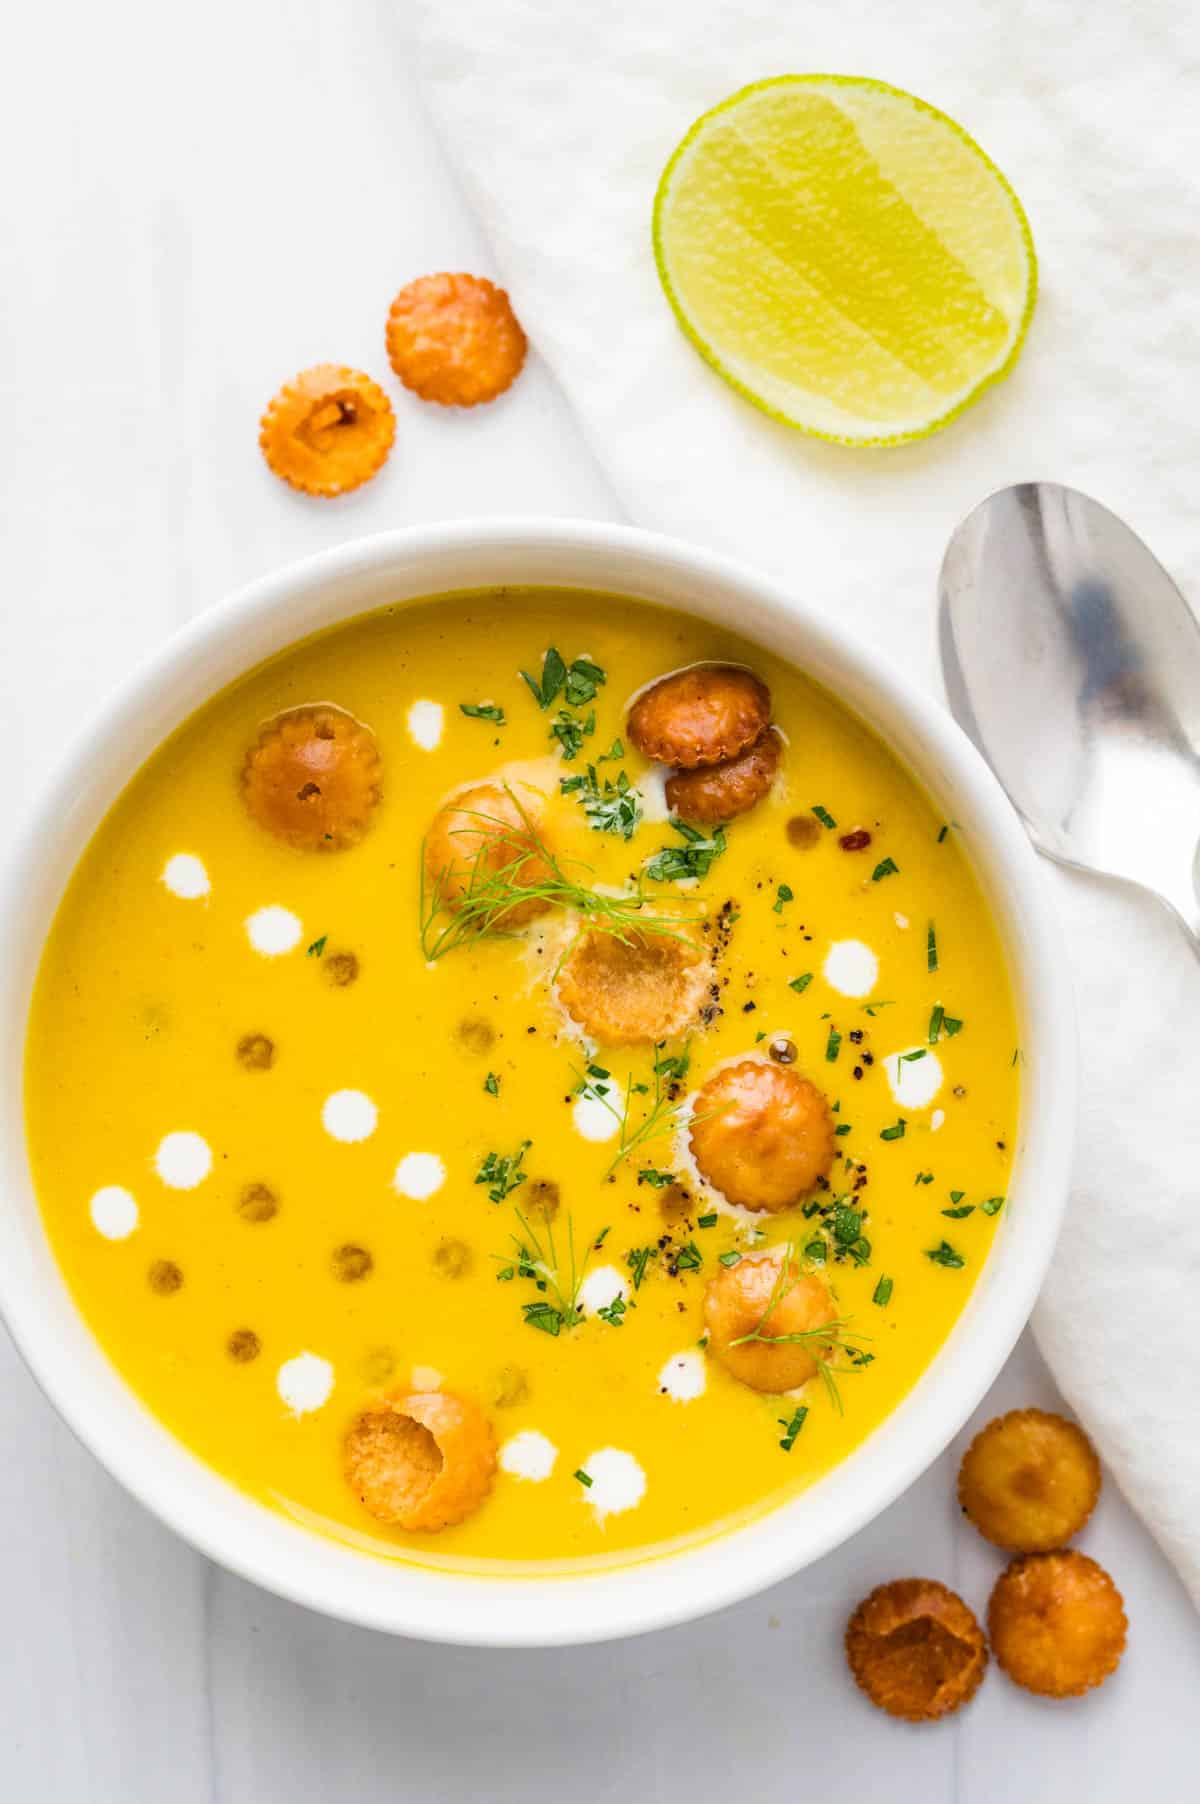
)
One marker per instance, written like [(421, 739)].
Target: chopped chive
[(961, 1212), (689, 1258), (708, 1221), (993, 1205), (883, 1293), (894, 1133), (924, 1177), (657, 1180), (815, 1250), (582, 1476), (945, 828), (318, 946), (935, 1024), (873, 1008), (931, 948), (833, 1045), (483, 711), (800, 984), (952, 1027), (792, 1428), (887, 867), (944, 1254), (910, 1058), (491, 1084), (824, 816), (1017, 1056), (843, 1128), (729, 1258), (956, 1196)]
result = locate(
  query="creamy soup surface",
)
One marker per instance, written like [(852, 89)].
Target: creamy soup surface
[(310, 1137)]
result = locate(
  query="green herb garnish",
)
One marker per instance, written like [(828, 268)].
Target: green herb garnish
[(894, 1133), (637, 1259), (883, 1292), (689, 1258), (993, 1205), (960, 1213), (708, 1221), (944, 1254), (824, 816), (582, 1476), (800, 984), (833, 1045), (792, 1428), (887, 867), (782, 894), (570, 732), (694, 858), (491, 1084), (317, 947), (557, 1308), (730, 1258), (611, 806), (482, 711), (931, 948), (657, 1180), (830, 1335), (502, 1172)]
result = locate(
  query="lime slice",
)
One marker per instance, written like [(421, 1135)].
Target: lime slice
[(845, 255)]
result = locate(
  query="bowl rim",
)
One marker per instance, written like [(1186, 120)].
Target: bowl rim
[(633, 1596)]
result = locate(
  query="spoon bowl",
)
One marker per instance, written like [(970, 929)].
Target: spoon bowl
[(1073, 661)]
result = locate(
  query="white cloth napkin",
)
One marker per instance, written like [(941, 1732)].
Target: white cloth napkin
[(560, 118)]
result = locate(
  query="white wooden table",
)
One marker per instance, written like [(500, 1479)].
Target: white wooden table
[(194, 205)]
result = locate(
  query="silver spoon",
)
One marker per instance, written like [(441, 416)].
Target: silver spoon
[(1073, 662)]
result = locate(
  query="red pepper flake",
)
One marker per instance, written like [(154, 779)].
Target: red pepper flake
[(858, 841)]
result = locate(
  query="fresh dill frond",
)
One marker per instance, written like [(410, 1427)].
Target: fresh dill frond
[(481, 908), (831, 1335), (662, 1113), (556, 1310)]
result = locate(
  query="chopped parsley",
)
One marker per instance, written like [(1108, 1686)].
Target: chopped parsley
[(842, 1128), (637, 1259), (730, 1258), (792, 1428), (583, 1477), (944, 1254), (482, 711), (578, 681), (544, 1316), (694, 858), (689, 1258), (657, 1180), (815, 1250), (959, 1212), (318, 946), (570, 732), (783, 894), (923, 1177), (833, 1045), (931, 948), (502, 1172), (887, 867), (824, 816), (894, 1133), (611, 807), (883, 1293), (708, 1221), (613, 1313), (847, 1225), (491, 1084), (800, 984), (992, 1205)]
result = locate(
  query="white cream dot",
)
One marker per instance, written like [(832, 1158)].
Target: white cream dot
[(594, 1119), (528, 1455), (851, 968), (183, 1160), (900, 920), (185, 876), (684, 1377), (304, 1383), (274, 931), (618, 1482), (114, 1212), (915, 1076), (601, 1288), (349, 1115), (426, 1378), (652, 787), (425, 720), (936, 1119), (418, 1175)]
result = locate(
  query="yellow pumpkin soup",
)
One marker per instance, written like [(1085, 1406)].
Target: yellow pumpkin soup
[(522, 1078)]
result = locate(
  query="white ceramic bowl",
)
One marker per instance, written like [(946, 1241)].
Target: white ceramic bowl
[(408, 1599)]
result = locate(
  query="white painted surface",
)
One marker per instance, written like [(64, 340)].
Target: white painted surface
[(198, 224)]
